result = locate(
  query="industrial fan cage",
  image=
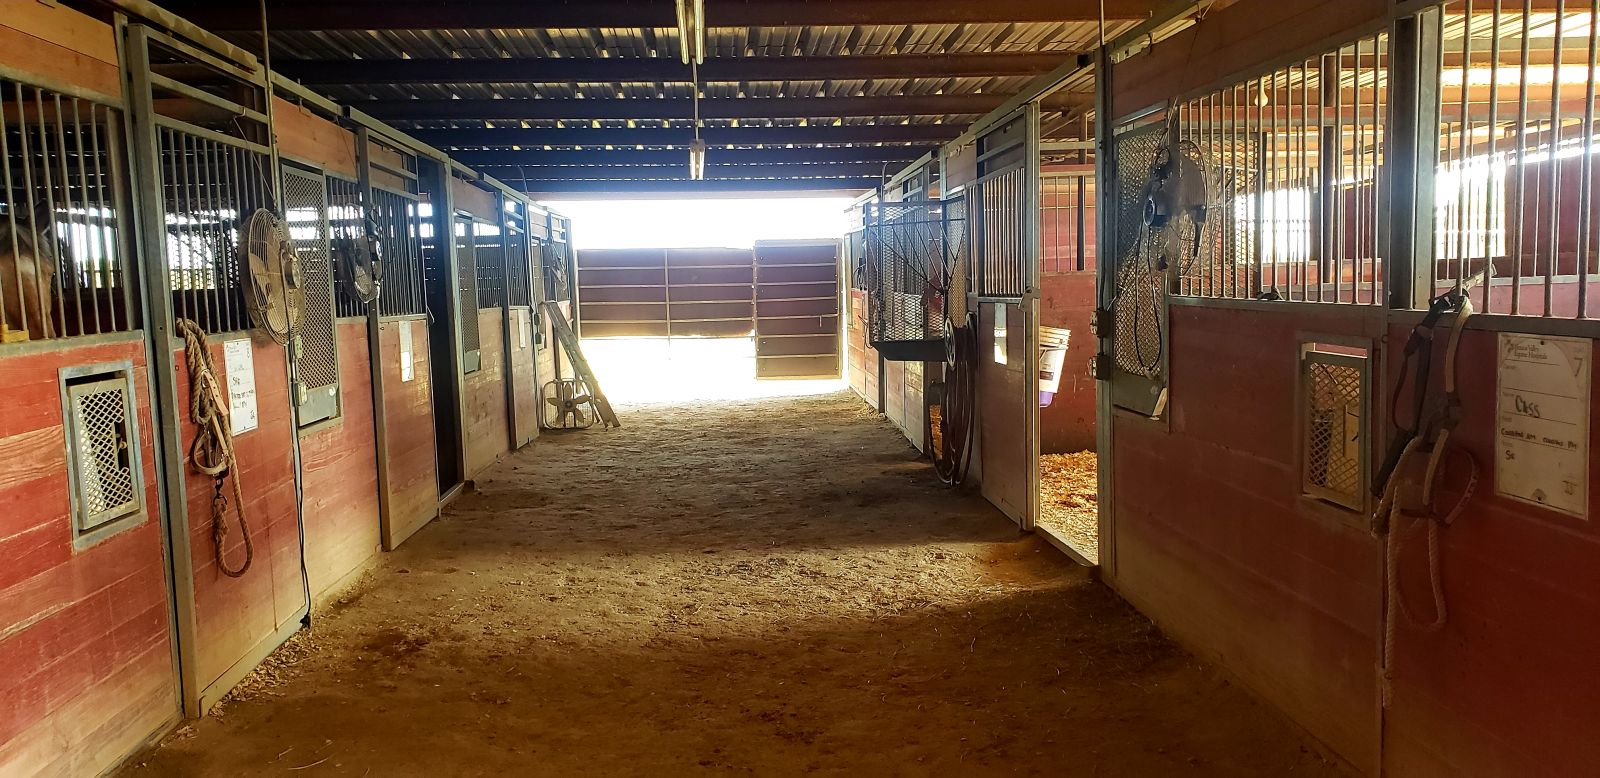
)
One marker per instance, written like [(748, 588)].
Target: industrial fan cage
[(908, 259)]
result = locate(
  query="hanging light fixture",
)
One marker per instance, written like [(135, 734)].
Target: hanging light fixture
[(692, 40)]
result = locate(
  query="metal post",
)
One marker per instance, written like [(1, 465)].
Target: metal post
[(1032, 257), (145, 152), (380, 421), (1105, 291), (1414, 145)]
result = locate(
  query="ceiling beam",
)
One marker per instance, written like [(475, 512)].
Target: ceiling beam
[(682, 107), (685, 186), (541, 161), (303, 15), (502, 137), (680, 170), (663, 69)]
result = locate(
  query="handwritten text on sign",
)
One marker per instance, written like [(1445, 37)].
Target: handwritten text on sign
[(238, 362), (1542, 447)]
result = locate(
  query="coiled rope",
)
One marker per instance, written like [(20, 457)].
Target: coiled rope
[(1395, 522), (211, 453)]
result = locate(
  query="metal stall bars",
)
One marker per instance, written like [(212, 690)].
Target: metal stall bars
[(517, 330), (1066, 220), (316, 353), (1276, 184), (64, 267), (1515, 172), (906, 275), (203, 164)]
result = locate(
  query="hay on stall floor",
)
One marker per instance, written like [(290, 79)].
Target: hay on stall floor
[(1068, 499)]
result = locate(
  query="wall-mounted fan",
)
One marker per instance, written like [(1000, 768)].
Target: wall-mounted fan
[(360, 260), (273, 294)]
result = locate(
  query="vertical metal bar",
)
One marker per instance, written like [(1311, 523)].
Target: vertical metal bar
[(1585, 222), (87, 247), (1337, 211), (1522, 158), (1554, 204), (10, 196), (111, 217), (1358, 205), (1463, 160), (1258, 141), (47, 308), (1307, 185), (1414, 123), (1375, 193), (212, 201), (1492, 193)]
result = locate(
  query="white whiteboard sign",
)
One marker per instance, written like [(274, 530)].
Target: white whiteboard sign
[(239, 363), (406, 369), (1542, 444)]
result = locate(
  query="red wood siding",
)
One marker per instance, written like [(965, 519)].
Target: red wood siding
[(86, 666), (1508, 686), (408, 415), (59, 44), (234, 615), (486, 436), (1066, 300), (1214, 541), (340, 479)]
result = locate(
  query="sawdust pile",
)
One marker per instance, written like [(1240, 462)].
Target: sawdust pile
[(1069, 498)]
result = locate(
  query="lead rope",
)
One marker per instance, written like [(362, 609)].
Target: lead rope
[(212, 450), (1398, 525)]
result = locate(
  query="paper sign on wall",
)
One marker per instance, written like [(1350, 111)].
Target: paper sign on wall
[(1542, 445), (522, 332), (406, 369), (239, 363)]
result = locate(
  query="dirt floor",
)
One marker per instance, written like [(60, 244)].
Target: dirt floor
[(1068, 500), (773, 587)]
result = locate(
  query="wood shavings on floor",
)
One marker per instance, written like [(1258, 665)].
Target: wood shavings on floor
[(1069, 499)]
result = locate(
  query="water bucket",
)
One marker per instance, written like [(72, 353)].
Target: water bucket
[(1052, 355)]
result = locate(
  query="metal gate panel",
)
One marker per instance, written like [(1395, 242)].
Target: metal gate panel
[(305, 197), (1001, 209), (466, 256), (1139, 307)]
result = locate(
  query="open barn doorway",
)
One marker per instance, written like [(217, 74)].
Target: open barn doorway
[(708, 299)]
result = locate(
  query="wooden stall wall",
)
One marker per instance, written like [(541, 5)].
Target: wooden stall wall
[(239, 619), (86, 663), (1215, 541), (86, 656), (863, 365), (526, 397), (1002, 461), (339, 463), (413, 498), (1508, 685), (485, 429)]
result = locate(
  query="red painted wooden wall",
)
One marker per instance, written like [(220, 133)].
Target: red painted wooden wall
[(86, 663), (340, 481), (1066, 300), (236, 616)]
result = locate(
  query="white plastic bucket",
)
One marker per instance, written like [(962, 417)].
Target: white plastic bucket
[(1052, 355)]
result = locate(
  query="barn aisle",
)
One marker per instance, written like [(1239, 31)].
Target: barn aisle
[(765, 587)]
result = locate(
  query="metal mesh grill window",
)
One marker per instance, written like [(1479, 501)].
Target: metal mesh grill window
[(906, 268), (1276, 183), (1141, 285), (557, 284), (347, 228), (1334, 436), (467, 291), (519, 279), (102, 450), (63, 175), (399, 225), (317, 354)]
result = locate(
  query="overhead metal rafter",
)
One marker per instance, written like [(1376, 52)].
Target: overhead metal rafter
[(716, 156), (660, 70), (683, 108), (418, 15), (685, 186), (538, 137)]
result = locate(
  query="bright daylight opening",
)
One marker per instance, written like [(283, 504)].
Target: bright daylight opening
[(679, 305)]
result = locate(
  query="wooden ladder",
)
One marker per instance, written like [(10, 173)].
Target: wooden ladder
[(569, 341)]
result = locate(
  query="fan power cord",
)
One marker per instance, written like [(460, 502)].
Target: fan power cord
[(212, 451), (1430, 433)]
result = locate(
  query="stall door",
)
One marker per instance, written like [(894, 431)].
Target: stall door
[(797, 309)]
